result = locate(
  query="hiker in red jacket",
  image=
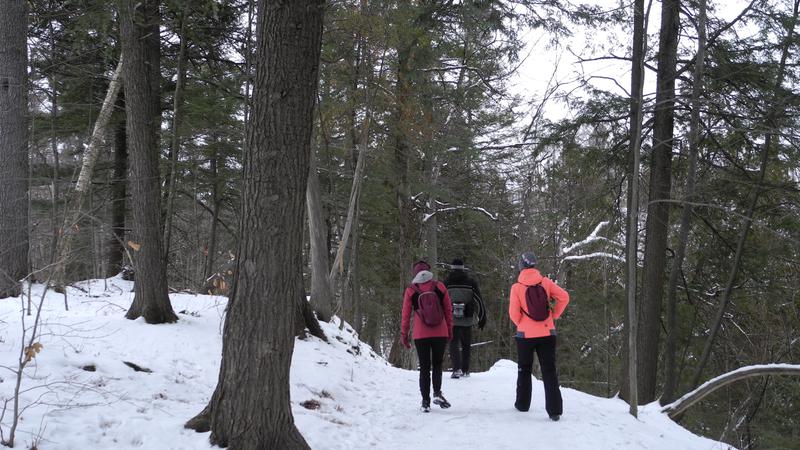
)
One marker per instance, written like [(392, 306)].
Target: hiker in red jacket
[(535, 304), (433, 328)]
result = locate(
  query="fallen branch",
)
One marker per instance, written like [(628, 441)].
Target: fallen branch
[(675, 409)]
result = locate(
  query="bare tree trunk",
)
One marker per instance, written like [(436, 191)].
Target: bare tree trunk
[(670, 351), (116, 249), (250, 408), (772, 129), (401, 120), (139, 29), (14, 207), (56, 194), (212, 244), (657, 226), (175, 146), (354, 281), (355, 195), (358, 179), (431, 226), (629, 389), (677, 408), (84, 183), (322, 298)]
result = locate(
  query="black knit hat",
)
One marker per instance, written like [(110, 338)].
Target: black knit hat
[(457, 264), (527, 260)]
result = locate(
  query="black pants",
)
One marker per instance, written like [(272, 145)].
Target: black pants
[(430, 352), (462, 337), (545, 348)]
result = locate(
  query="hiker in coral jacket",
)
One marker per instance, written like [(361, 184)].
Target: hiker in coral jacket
[(429, 303), (536, 332)]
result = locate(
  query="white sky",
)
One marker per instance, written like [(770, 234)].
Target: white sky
[(544, 60)]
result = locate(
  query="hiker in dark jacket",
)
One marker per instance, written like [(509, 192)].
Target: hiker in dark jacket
[(468, 310), (429, 302), (535, 303)]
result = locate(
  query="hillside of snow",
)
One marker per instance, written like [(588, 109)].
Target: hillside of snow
[(78, 393)]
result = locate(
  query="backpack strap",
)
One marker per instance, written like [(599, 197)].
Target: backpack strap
[(417, 292)]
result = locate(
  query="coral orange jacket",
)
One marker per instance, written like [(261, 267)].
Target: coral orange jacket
[(516, 305)]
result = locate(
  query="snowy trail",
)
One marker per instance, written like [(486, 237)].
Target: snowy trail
[(363, 402), (483, 417)]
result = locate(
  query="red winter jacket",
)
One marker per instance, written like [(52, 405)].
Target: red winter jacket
[(422, 331)]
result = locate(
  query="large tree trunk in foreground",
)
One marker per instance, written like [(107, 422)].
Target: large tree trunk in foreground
[(655, 251), (140, 49), (250, 408), (13, 146)]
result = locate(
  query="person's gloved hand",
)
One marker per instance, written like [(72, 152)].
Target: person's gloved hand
[(482, 323), (404, 339)]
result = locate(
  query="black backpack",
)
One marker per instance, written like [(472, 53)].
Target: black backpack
[(537, 302), (428, 305)]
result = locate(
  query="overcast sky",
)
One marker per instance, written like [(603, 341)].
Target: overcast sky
[(549, 63)]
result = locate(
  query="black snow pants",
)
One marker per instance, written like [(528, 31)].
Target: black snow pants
[(545, 349), (462, 337), (430, 352)]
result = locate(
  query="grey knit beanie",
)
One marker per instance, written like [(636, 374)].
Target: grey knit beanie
[(527, 260)]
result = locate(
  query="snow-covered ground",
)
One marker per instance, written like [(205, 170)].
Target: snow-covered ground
[(362, 401)]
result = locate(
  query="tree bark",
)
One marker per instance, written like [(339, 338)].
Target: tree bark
[(772, 127), (656, 228), (670, 351), (56, 191), (215, 197), (402, 119), (628, 388), (322, 298), (250, 408), (139, 29), (14, 207), (84, 183), (119, 182), (677, 408), (175, 145), (355, 194)]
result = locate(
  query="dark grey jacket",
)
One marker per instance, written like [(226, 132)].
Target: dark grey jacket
[(465, 296)]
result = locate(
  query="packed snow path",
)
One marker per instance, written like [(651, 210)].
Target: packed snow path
[(79, 393)]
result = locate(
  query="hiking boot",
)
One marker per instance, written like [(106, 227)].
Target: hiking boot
[(456, 374), (426, 406), (555, 417), (438, 399), (465, 375)]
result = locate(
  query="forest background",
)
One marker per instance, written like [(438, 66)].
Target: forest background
[(424, 146)]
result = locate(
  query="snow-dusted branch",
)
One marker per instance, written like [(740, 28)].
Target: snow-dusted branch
[(594, 255), (427, 217), (676, 408), (593, 237)]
